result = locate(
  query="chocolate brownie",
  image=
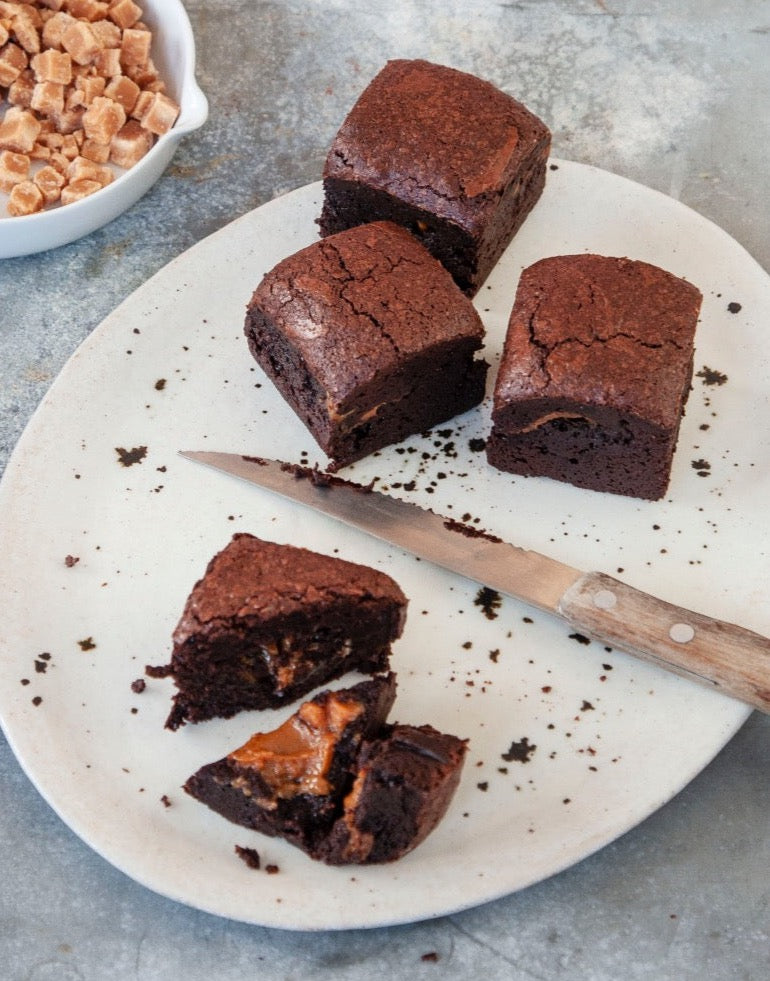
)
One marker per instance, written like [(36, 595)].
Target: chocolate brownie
[(447, 155), (404, 782), (368, 339), (337, 780), (595, 373), (269, 622), (288, 782)]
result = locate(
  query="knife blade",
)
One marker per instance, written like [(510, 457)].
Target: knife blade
[(718, 654)]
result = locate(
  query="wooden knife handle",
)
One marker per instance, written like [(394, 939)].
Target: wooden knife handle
[(721, 655)]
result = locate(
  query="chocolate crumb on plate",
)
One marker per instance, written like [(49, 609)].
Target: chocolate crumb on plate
[(249, 855)]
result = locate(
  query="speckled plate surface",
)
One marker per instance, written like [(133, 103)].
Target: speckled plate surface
[(104, 529)]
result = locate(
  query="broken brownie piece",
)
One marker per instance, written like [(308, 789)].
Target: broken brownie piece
[(404, 782), (445, 154), (337, 780), (595, 374), (269, 622), (287, 782)]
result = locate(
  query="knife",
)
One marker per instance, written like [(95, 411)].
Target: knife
[(721, 655)]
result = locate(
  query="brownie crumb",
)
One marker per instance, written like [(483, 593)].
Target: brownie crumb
[(249, 855), (165, 800), (477, 445), (520, 752), (86, 644), (70, 560), (734, 307), (157, 670), (490, 602), (710, 376), (272, 869), (484, 785), (430, 958), (160, 384), (452, 524), (37, 700), (127, 458), (41, 666), (138, 686), (580, 638)]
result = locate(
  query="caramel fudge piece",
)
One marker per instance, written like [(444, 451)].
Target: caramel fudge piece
[(368, 339), (269, 622), (595, 373), (449, 156)]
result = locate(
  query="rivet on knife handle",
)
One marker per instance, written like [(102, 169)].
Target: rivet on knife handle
[(721, 655)]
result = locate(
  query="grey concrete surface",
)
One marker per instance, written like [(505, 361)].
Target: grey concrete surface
[(674, 95)]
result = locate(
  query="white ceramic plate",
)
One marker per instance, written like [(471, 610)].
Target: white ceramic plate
[(570, 744), (173, 52)]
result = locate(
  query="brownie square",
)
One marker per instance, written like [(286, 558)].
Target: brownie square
[(368, 339), (595, 374), (268, 622), (443, 153)]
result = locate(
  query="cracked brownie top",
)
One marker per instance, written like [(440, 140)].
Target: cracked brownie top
[(439, 138), (360, 303), (597, 333)]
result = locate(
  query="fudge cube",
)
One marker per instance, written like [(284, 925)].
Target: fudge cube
[(78, 190), (368, 339), (19, 130), (129, 144), (14, 169), (124, 13), (25, 199), (449, 156), (103, 119), (160, 114), (135, 47), (47, 98), (124, 91), (595, 373), (52, 66), (80, 42), (50, 181), (13, 61)]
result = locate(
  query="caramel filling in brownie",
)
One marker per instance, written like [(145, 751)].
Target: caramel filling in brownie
[(295, 758)]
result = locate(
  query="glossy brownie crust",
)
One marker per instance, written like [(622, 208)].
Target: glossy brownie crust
[(368, 338), (595, 374), (269, 622), (443, 153)]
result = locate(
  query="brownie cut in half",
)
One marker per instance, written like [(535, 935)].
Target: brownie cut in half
[(337, 780), (368, 339), (445, 154), (269, 622), (595, 373)]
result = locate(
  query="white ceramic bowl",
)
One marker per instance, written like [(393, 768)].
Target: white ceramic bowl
[(174, 54)]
